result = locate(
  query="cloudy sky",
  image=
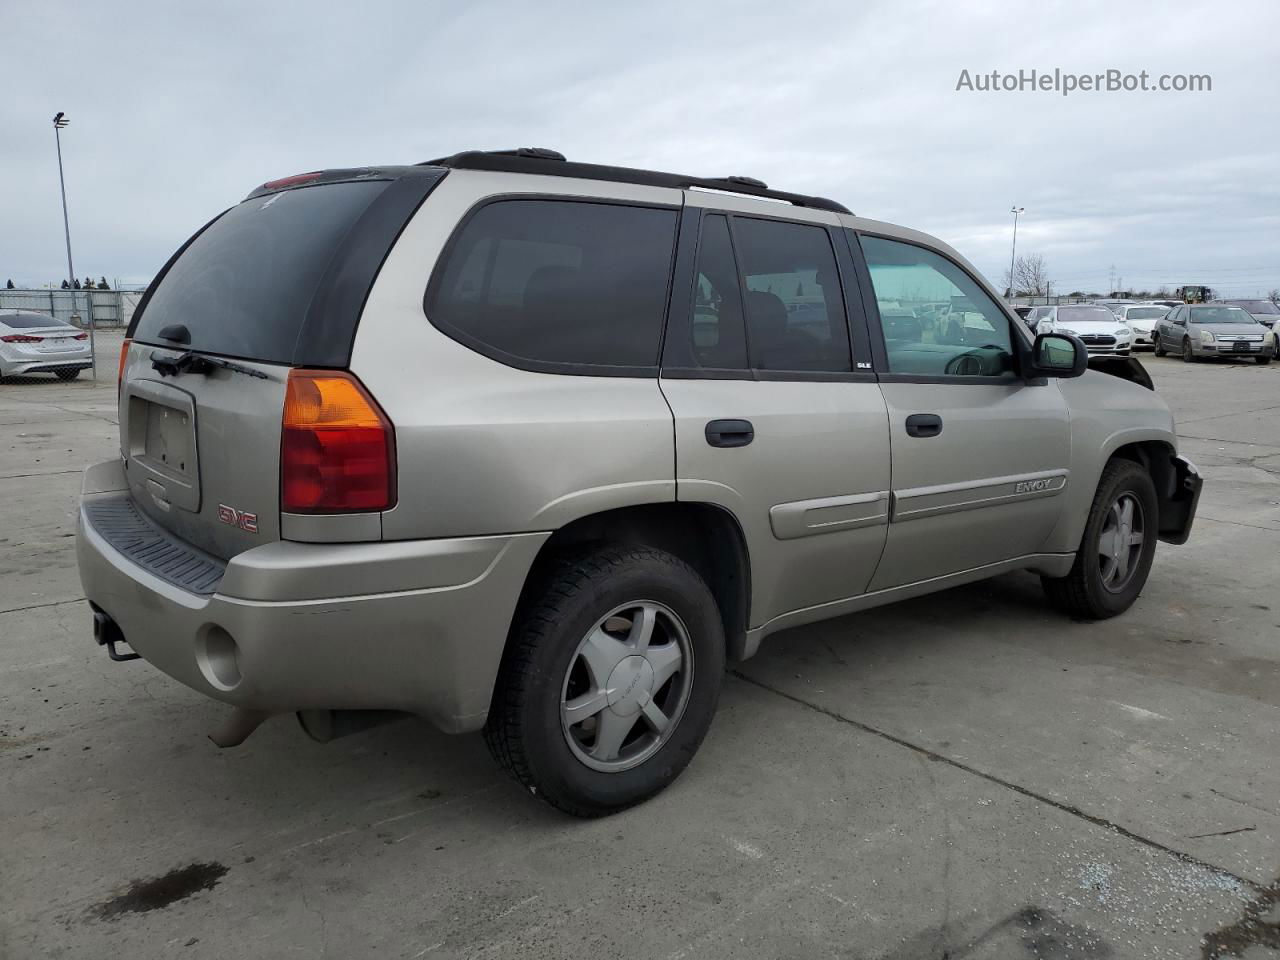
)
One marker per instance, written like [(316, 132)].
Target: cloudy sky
[(177, 110)]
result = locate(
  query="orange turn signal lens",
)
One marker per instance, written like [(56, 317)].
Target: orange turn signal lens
[(337, 447)]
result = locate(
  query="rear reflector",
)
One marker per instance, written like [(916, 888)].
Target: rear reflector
[(21, 338), (337, 448), (292, 181)]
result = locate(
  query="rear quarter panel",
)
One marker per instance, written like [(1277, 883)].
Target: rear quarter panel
[(484, 448)]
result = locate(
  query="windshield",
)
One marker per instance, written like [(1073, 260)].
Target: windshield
[(1085, 315), (1146, 313), (1259, 308), (1220, 315), (31, 321)]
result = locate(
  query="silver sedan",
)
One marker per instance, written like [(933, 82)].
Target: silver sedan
[(40, 343)]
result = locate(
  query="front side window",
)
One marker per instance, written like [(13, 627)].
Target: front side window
[(794, 306), (558, 282), (970, 338)]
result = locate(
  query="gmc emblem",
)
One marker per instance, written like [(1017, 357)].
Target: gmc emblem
[(248, 522)]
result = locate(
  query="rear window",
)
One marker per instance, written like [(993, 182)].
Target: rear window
[(1146, 313), (30, 321), (558, 282), (243, 286)]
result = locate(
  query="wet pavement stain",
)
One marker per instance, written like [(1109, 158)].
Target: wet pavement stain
[(1259, 927), (157, 893)]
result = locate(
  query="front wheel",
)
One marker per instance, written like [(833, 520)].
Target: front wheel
[(610, 680), (1116, 551), (1158, 345), (1188, 354)]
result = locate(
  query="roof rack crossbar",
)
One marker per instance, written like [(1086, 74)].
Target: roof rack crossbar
[(540, 160)]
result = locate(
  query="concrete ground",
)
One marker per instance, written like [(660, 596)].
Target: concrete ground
[(967, 775)]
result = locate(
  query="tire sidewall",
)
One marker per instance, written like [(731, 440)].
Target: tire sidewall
[(1133, 480), (550, 758)]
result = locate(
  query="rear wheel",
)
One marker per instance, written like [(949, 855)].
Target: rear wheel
[(1188, 354), (67, 374), (610, 681), (1116, 551)]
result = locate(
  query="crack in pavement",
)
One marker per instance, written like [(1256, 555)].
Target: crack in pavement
[(41, 606), (1074, 811)]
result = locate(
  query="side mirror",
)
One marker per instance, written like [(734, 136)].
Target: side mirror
[(1058, 355)]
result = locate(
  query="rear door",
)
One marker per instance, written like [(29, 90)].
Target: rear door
[(777, 419), (277, 281), (980, 454)]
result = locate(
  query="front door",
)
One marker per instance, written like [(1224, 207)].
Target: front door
[(773, 421), (980, 453)]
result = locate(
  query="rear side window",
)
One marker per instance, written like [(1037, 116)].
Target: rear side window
[(243, 286), (718, 326), (558, 282), (794, 305)]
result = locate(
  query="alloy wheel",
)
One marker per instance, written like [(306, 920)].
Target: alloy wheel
[(1120, 542), (627, 686)]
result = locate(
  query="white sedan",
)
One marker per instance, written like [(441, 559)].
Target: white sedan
[(40, 343), (1141, 318)]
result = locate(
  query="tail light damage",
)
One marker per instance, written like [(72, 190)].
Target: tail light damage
[(337, 447)]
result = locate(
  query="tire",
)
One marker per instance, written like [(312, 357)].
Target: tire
[(1095, 589), (67, 374), (1262, 361), (1188, 355), (566, 633), (1158, 346)]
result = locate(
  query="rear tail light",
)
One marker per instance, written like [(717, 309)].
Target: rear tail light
[(81, 336), (21, 338), (124, 358), (337, 447)]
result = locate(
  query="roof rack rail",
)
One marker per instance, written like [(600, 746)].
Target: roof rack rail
[(551, 163)]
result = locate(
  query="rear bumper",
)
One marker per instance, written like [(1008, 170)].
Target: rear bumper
[(418, 626), (15, 368)]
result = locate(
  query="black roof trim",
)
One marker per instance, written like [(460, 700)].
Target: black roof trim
[(549, 163)]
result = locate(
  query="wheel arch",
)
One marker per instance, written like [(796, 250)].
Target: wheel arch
[(706, 536)]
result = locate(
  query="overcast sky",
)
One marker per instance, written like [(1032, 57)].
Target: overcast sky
[(178, 110)]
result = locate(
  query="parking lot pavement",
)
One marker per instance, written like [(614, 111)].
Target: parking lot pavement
[(967, 775)]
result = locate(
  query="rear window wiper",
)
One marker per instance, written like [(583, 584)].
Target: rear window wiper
[(191, 362)]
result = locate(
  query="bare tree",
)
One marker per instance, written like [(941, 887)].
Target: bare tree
[(1274, 295), (1030, 277)]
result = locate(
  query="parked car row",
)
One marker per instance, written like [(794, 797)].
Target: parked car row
[(1223, 328)]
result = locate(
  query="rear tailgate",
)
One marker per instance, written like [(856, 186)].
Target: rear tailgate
[(276, 282)]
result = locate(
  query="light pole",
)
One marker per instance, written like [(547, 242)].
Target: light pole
[(59, 121), (1013, 287)]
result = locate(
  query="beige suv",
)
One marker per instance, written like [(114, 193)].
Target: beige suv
[(534, 447)]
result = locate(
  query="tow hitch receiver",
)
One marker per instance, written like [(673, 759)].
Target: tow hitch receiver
[(108, 633)]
